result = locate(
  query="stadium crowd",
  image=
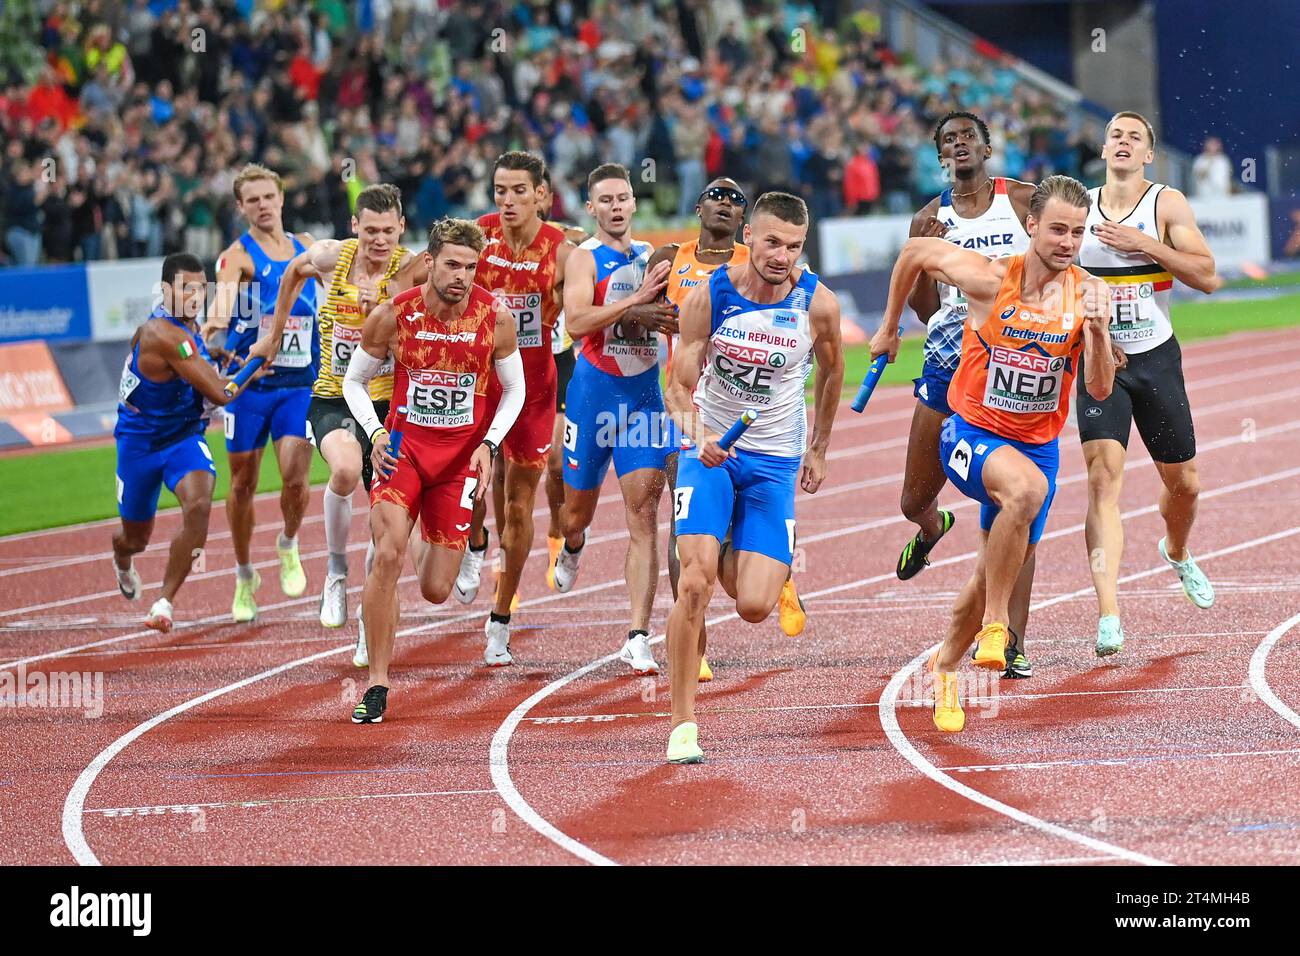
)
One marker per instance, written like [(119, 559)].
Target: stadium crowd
[(125, 140)]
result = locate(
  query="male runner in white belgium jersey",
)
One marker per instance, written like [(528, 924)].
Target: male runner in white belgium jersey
[(754, 328), (1140, 237)]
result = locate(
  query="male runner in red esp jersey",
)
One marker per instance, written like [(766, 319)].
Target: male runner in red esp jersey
[(446, 337)]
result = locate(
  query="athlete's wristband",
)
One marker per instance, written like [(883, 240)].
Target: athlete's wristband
[(493, 448), (381, 428)]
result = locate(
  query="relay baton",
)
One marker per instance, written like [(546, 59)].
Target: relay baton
[(395, 437), (747, 418), (869, 383), (241, 378)]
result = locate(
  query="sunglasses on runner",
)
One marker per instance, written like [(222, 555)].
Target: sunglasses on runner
[(719, 193)]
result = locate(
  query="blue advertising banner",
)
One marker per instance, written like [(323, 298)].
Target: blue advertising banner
[(49, 302)]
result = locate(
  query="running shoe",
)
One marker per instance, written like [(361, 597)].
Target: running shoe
[(334, 601), (636, 655), (566, 566), (293, 579), (948, 715), (1196, 585), (792, 613), (244, 608), (916, 553), (128, 581), (553, 546), (684, 744), (361, 655), (471, 569), (1110, 636), (991, 647), (497, 652), (160, 616), (372, 706), (1018, 665), (706, 672)]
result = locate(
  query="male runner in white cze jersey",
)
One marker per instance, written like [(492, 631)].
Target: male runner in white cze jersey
[(1140, 237), (754, 328)]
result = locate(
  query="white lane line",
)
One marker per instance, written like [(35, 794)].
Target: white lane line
[(1131, 760), (869, 704), (1258, 680), (889, 721), (276, 801), (1055, 861)]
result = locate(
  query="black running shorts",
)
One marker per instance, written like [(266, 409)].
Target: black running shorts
[(564, 362), (325, 415), (1150, 392)]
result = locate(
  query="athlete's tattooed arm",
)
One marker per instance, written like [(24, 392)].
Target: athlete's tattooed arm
[(824, 319)]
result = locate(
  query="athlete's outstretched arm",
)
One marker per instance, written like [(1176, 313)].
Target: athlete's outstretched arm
[(824, 319), (316, 262), (970, 271), (581, 315), (232, 266), (1187, 255), (1098, 354)]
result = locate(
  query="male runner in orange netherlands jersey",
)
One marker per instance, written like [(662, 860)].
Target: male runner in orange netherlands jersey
[(449, 338), (1030, 318)]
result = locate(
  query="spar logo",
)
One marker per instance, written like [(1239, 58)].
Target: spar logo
[(746, 353), (1023, 382)]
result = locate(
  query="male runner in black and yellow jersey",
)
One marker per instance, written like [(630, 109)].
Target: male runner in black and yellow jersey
[(354, 274)]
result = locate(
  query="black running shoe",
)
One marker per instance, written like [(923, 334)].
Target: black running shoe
[(916, 553), (372, 706), (1018, 665)]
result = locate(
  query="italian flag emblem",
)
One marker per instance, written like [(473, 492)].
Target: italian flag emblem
[(186, 349)]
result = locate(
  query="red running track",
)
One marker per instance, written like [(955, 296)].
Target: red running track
[(222, 743)]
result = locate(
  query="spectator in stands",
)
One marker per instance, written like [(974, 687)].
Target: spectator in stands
[(426, 94), (861, 182), (87, 214), (23, 213), (1212, 171), (690, 136)]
